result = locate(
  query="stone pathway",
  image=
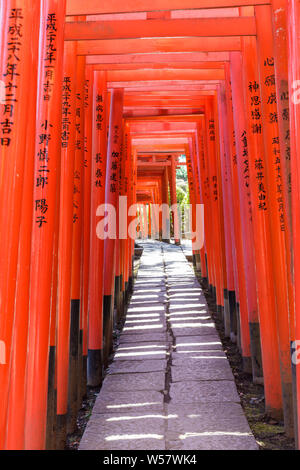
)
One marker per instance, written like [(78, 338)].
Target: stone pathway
[(170, 386)]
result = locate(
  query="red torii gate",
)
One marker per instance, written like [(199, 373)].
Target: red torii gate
[(213, 80)]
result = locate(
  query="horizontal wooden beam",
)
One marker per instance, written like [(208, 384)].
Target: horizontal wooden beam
[(132, 59), (167, 14), (168, 65), (164, 104), (159, 140), (156, 126), (141, 113), (162, 84), (97, 7), (199, 27), (153, 136), (152, 164), (174, 118), (136, 75), (152, 45), (180, 94), (155, 87)]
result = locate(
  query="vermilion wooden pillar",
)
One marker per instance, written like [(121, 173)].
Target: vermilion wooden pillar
[(18, 152), (165, 214), (145, 221), (123, 221), (279, 9), (65, 238), (132, 214), (87, 183), (228, 215), (218, 194), (213, 144), (111, 197), (245, 189), (201, 167), (277, 214), (208, 141), (173, 195), (193, 195), (229, 294), (75, 372), (264, 276), (98, 169), (195, 172), (293, 17), (118, 244), (46, 173), (242, 307), (128, 190), (205, 188)]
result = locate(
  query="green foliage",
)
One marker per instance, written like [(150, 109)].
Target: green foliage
[(181, 173)]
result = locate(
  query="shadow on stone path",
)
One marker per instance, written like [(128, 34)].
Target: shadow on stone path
[(170, 386)]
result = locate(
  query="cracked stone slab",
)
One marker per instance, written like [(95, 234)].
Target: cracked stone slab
[(187, 369), (213, 426), (116, 402), (242, 441), (127, 367), (135, 382), (203, 392)]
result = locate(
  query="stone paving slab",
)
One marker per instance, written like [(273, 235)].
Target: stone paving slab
[(189, 356), (203, 392), (141, 329), (170, 385), (132, 338), (214, 426), (128, 429), (146, 322), (155, 308), (116, 402), (127, 367), (187, 369), (140, 355), (208, 342), (101, 441), (134, 382), (138, 298), (179, 330)]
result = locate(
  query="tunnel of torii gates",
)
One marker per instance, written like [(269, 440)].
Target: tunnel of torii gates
[(98, 100)]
